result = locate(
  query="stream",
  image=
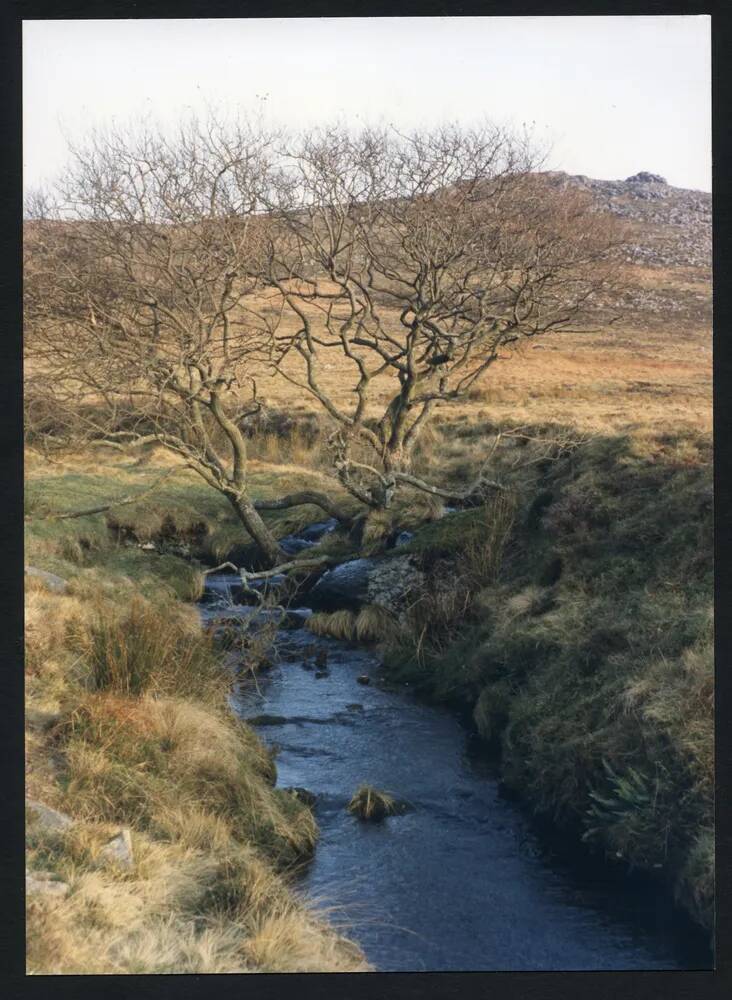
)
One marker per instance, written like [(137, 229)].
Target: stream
[(463, 880)]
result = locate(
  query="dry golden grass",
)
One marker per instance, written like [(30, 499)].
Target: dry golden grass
[(619, 377), (372, 624), (337, 624)]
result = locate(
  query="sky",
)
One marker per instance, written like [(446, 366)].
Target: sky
[(608, 96)]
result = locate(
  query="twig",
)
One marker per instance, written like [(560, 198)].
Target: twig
[(226, 565)]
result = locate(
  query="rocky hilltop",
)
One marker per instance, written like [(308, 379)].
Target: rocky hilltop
[(673, 226)]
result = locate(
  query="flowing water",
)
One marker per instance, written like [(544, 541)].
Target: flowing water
[(462, 880)]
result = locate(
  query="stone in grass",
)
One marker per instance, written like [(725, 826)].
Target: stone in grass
[(369, 803), (363, 679), (54, 583), (45, 817), (119, 850), (41, 883)]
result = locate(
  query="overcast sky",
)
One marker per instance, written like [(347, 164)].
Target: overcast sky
[(613, 95)]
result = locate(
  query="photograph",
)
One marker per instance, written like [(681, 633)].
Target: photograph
[(368, 495)]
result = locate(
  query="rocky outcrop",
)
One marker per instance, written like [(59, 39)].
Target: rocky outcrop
[(677, 222), (645, 178), (393, 581), (345, 586)]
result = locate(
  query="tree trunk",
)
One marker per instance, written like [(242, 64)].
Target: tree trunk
[(265, 541), (321, 500)]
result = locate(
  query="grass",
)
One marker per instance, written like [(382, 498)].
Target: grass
[(337, 624), (144, 649), (181, 509), (371, 624), (582, 640)]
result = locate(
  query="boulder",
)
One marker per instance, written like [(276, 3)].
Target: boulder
[(392, 582), (47, 818), (388, 582), (54, 583), (302, 795), (344, 586), (119, 850)]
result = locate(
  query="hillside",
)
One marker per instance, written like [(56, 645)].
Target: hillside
[(656, 352)]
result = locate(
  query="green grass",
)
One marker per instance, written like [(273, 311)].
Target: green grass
[(183, 506)]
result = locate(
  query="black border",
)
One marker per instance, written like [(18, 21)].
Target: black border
[(529, 985)]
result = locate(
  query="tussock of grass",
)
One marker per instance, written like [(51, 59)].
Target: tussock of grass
[(147, 648), (374, 624), (129, 761), (370, 803), (180, 910), (371, 624), (337, 624), (209, 833)]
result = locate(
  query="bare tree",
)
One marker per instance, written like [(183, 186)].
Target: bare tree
[(140, 295), (166, 271), (419, 260)]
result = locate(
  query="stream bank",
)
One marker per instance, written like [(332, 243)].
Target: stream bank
[(462, 880)]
